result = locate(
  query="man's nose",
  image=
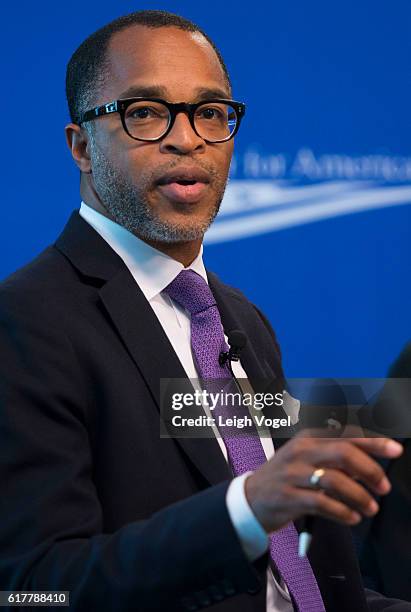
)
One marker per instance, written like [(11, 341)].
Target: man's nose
[(182, 138)]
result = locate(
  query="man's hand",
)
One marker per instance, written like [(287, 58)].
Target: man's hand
[(279, 491)]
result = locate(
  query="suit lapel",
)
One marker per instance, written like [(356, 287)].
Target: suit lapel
[(232, 314), (139, 329), (155, 357), (235, 314)]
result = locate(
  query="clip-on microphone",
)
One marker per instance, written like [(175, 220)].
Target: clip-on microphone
[(237, 341)]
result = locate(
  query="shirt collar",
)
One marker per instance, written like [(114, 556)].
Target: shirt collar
[(151, 269)]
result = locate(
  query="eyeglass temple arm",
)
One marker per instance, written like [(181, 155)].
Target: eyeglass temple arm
[(99, 111)]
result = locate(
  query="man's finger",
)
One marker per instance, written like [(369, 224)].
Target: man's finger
[(379, 447), (376, 446), (348, 457), (318, 504), (339, 486)]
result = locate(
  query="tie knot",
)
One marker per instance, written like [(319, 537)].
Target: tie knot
[(191, 291)]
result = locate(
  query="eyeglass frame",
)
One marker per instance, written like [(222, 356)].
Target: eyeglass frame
[(120, 106)]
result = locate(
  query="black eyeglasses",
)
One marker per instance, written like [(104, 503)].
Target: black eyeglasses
[(150, 119)]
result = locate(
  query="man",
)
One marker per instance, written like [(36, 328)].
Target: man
[(97, 503)]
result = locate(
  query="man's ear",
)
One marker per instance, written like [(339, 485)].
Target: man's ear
[(78, 143)]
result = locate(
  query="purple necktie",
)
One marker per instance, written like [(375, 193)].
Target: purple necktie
[(245, 452)]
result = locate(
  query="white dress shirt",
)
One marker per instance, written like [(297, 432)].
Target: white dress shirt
[(153, 271)]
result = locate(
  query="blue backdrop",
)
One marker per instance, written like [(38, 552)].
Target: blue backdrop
[(315, 223)]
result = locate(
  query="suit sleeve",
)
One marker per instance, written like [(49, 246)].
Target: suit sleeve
[(51, 534), (378, 603)]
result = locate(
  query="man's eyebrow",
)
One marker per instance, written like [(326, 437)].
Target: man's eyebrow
[(142, 91), (206, 93), (158, 91)]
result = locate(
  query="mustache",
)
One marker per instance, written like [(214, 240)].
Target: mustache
[(214, 175)]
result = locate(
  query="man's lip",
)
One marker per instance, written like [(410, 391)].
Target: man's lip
[(184, 174), (185, 194)]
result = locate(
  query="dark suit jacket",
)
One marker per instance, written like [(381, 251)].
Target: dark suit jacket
[(385, 541), (93, 500)]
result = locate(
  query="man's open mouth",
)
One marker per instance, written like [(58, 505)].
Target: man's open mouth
[(185, 185), (183, 191), (183, 182)]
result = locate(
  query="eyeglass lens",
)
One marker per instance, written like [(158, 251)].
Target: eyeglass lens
[(149, 120)]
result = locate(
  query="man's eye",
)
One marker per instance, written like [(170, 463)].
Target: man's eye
[(210, 113), (141, 113)]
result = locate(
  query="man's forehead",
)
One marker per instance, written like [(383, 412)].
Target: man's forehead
[(139, 36), (161, 56)]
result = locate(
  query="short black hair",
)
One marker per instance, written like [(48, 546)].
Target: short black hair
[(88, 66)]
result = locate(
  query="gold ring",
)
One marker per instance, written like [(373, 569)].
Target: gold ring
[(316, 478)]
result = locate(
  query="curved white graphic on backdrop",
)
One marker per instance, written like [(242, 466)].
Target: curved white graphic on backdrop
[(255, 207)]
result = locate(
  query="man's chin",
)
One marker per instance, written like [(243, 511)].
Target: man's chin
[(173, 233)]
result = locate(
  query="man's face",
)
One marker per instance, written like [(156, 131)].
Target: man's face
[(177, 66)]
